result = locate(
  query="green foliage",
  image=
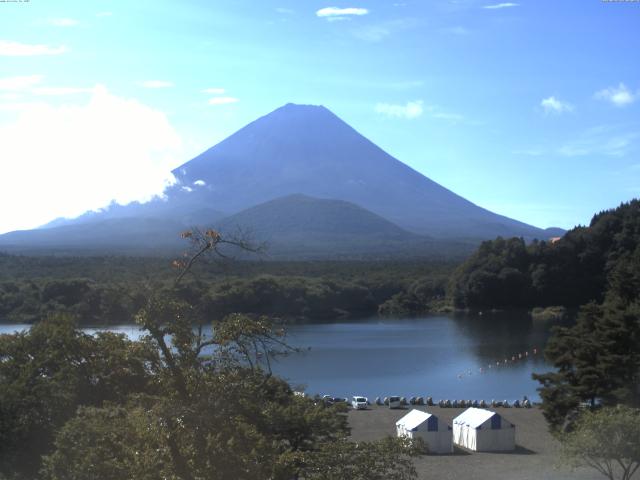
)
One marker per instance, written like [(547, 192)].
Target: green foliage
[(422, 296), (178, 404), (109, 443), (597, 361), (607, 440), (581, 267), (549, 313), (389, 459), (100, 291), (47, 372)]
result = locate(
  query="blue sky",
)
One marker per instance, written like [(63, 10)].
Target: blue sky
[(528, 108)]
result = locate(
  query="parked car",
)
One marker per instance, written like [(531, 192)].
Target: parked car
[(328, 400), (395, 402), (359, 403)]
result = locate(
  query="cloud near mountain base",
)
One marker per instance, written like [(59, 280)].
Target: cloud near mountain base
[(109, 148)]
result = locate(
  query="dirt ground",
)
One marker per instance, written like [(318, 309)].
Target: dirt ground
[(535, 457)]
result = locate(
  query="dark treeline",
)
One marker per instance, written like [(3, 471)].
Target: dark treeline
[(110, 290), (577, 269), (597, 360)]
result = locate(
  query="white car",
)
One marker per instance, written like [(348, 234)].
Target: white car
[(359, 403), (395, 402)]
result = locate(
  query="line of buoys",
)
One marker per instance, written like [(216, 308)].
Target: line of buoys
[(498, 363)]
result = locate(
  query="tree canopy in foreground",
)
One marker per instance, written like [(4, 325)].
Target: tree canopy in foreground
[(177, 404), (607, 440)]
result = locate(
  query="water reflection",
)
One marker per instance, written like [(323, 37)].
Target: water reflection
[(497, 336)]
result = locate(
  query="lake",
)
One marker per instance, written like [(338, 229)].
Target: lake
[(436, 355)]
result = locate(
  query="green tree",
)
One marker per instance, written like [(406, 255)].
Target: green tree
[(389, 459), (47, 372), (213, 410), (607, 440), (597, 361)]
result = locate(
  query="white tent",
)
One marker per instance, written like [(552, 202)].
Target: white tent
[(483, 431), (418, 424)]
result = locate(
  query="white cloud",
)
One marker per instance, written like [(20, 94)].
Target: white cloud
[(530, 152), (222, 100), (19, 83), (457, 30), (555, 106), (619, 96), (438, 113), (410, 110), (56, 91), (372, 33), (214, 91), (64, 160), (452, 117), (62, 22), (610, 141), (28, 84), (501, 5), (200, 183), (335, 13), (155, 84), (17, 106), (378, 32), (10, 97), (17, 49)]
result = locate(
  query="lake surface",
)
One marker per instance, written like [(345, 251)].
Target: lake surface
[(439, 356)]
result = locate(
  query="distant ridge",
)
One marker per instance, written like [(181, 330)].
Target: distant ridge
[(299, 215), (297, 225)]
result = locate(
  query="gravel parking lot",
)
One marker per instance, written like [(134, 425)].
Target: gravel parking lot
[(535, 457)]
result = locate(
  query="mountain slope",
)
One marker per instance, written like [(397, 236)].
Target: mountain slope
[(141, 236), (301, 226), (301, 216), (307, 149)]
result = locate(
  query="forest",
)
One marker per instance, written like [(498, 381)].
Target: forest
[(110, 290), (580, 267)]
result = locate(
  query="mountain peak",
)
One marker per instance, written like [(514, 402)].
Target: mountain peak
[(308, 149), (302, 106), (299, 112)]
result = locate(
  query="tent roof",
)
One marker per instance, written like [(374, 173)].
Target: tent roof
[(413, 419), (474, 417)]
